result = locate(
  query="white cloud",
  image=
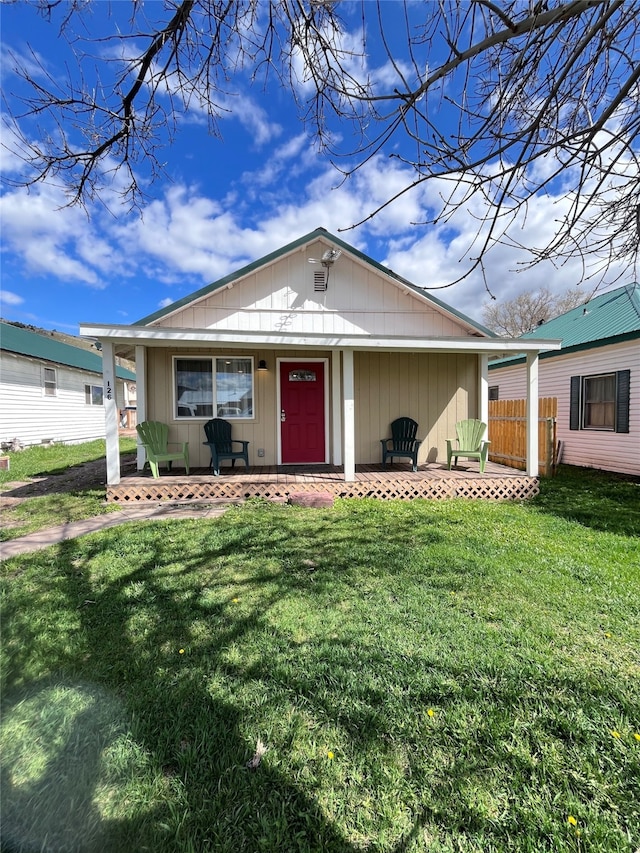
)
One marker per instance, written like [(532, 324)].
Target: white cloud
[(437, 256), (254, 119), (10, 298), (186, 239), (47, 236)]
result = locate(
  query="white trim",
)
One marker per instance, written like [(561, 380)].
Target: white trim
[(336, 406), (213, 358), (53, 386), (111, 414), (348, 386), (325, 362), (160, 336), (483, 389), (141, 400), (532, 415)]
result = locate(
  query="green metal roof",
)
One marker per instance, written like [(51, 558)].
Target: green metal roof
[(290, 247), (608, 318), (25, 342)]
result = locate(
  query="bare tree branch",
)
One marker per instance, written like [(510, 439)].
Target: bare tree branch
[(501, 102)]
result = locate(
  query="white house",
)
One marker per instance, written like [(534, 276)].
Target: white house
[(53, 391), (310, 352), (595, 377)]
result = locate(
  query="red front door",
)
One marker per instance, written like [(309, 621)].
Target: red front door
[(302, 412)]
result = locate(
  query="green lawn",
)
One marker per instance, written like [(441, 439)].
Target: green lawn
[(59, 505), (424, 676)]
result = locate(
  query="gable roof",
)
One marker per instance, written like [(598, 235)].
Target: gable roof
[(610, 318), (318, 233), (25, 342)]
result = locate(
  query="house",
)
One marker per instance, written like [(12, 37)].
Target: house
[(310, 352), (52, 391), (595, 377)]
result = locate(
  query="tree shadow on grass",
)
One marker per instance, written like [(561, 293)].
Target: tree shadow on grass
[(597, 499), (187, 735), (182, 726)]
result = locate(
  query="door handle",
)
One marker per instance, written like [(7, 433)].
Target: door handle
[(283, 415)]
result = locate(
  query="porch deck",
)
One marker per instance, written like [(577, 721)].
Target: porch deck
[(280, 482)]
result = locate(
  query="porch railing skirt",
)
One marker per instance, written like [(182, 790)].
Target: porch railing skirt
[(500, 483)]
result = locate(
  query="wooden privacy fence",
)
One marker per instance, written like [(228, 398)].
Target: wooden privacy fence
[(508, 433)]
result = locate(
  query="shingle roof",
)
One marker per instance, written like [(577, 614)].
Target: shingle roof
[(301, 241), (609, 318), (25, 342)]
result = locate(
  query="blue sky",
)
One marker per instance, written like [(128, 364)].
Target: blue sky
[(223, 203)]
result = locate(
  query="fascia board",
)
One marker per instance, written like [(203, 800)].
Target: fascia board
[(162, 336)]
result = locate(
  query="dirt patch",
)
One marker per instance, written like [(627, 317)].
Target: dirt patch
[(89, 475)]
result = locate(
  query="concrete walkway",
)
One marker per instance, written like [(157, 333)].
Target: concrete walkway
[(54, 535)]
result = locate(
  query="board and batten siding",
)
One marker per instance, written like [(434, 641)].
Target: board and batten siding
[(590, 448), (32, 417), (259, 431), (281, 297), (435, 389)]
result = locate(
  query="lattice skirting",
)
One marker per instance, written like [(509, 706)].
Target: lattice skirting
[(497, 488)]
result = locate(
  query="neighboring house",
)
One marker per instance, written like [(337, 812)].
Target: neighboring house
[(52, 391), (310, 352), (595, 377)]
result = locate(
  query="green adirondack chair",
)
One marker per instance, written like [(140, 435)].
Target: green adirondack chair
[(154, 436), (470, 443)]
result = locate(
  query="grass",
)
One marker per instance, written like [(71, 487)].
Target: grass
[(40, 461), (59, 505), (425, 676)]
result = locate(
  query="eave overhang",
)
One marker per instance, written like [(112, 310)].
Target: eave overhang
[(126, 338)]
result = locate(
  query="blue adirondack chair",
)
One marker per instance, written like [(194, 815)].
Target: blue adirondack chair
[(403, 442), (470, 443), (220, 443), (154, 436)]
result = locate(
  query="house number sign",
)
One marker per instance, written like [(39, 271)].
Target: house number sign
[(109, 392)]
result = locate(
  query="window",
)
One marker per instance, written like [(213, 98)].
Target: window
[(50, 382), (302, 376), (203, 385), (494, 392), (600, 402), (93, 395)]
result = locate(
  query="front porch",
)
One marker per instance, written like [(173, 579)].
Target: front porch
[(278, 483)]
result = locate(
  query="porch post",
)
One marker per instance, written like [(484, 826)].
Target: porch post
[(336, 408), (483, 388), (111, 414), (532, 414), (349, 416), (141, 404)]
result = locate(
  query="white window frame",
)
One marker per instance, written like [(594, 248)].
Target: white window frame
[(584, 403), (88, 394), (49, 387), (216, 413)]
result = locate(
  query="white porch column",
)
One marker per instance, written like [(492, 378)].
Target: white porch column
[(336, 408), (111, 414), (349, 416), (483, 388), (532, 414), (141, 404)]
